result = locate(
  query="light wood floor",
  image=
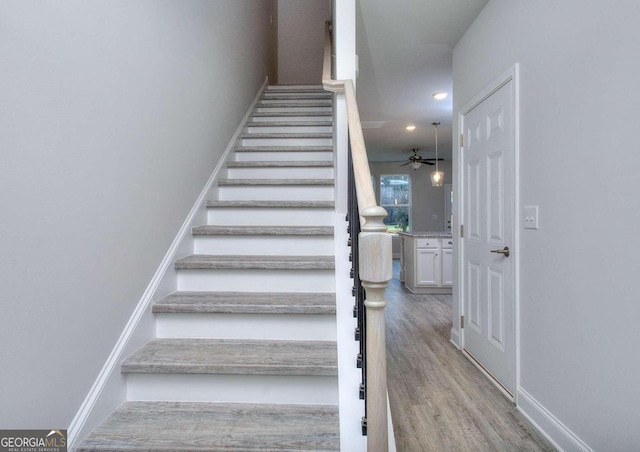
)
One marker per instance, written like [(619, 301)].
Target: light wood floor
[(439, 400)]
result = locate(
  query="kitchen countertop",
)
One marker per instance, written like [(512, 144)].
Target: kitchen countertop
[(428, 234)]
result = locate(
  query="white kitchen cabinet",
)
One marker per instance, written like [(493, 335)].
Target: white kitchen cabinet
[(428, 267), (426, 262)]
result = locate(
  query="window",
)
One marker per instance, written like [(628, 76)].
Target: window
[(395, 197)]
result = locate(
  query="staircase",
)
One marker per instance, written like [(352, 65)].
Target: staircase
[(245, 356)]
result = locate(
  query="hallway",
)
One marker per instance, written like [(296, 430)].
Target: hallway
[(439, 400)]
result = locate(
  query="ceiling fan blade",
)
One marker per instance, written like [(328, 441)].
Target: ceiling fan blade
[(405, 164), (430, 160)]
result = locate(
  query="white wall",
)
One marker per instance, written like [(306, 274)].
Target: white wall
[(113, 116), (301, 40), (579, 161)]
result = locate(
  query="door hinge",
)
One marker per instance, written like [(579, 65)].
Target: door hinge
[(461, 140), (462, 230), (461, 321)]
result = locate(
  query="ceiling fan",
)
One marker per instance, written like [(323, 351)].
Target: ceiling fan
[(415, 160)]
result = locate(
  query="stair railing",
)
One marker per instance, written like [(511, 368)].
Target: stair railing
[(372, 245)]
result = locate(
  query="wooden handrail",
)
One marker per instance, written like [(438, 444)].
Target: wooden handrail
[(362, 172), (327, 79), (374, 259)]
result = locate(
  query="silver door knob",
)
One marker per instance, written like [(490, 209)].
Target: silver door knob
[(505, 251)]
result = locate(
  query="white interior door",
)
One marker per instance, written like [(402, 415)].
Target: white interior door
[(489, 231)]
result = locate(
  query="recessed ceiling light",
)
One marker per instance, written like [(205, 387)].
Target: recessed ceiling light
[(440, 95), (411, 128)]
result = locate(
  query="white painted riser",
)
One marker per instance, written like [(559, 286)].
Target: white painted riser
[(318, 95), (307, 172), (290, 129), (271, 216), (293, 88), (293, 327), (265, 245), (286, 142), (233, 388), (257, 280), (296, 101), (276, 193), (280, 156), (301, 109), (276, 118)]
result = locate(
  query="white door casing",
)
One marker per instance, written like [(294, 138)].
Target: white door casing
[(488, 279)]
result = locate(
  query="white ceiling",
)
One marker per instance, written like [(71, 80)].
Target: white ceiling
[(405, 53)]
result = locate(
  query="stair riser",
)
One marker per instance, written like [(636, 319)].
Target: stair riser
[(280, 156), (233, 388), (277, 118), (290, 129), (276, 193), (315, 94), (247, 326), (252, 280), (301, 109), (294, 88), (281, 173), (297, 95), (264, 245), (286, 142), (270, 216), (309, 101)]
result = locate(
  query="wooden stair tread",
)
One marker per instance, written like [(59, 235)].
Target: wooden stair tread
[(262, 230), (247, 302), (194, 426), (234, 357), (206, 261), (273, 204)]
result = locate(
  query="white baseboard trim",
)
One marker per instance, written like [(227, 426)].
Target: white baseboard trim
[(111, 365), (555, 431), (455, 338)]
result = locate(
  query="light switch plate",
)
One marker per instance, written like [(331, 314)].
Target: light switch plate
[(531, 217)]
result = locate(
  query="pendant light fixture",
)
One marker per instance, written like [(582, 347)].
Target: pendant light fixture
[(436, 176)]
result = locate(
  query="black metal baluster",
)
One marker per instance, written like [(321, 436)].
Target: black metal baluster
[(357, 291)]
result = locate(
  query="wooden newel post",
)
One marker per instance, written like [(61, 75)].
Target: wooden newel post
[(375, 273)]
